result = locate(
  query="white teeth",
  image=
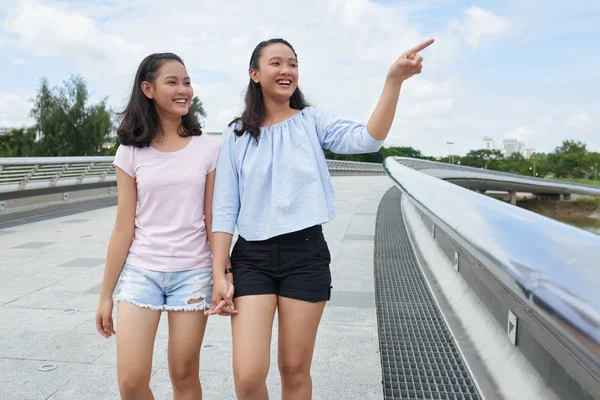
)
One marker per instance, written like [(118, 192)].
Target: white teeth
[(180, 101), (284, 82)]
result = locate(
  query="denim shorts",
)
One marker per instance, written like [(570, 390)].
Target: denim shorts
[(189, 290)]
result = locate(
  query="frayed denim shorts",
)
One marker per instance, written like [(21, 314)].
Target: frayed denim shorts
[(189, 290)]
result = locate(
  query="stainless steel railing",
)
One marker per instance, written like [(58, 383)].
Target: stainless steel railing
[(550, 269)]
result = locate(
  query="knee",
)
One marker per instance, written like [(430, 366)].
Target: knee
[(248, 381), (131, 385), (294, 374), (183, 377)]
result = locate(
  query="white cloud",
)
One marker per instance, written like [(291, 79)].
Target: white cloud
[(521, 133), (345, 48), (5, 4), (480, 26), (18, 61), (580, 121), (226, 115), (14, 108), (57, 31), (423, 88)]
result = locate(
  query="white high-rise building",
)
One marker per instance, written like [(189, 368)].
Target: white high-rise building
[(510, 146), (4, 130), (487, 143), (527, 153)]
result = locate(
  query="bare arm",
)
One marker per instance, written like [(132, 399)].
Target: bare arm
[(122, 233), (220, 247), (381, 120), (409, 64), (220, 242), (225, 206), (209, 190)]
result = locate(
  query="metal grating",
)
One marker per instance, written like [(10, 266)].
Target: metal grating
[(419, 358)]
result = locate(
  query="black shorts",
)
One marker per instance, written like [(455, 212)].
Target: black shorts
[(293, 265)]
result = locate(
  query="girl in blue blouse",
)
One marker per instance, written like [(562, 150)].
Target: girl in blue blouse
[(272, 182)]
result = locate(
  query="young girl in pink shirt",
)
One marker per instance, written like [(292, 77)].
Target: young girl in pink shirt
[(160, 250)]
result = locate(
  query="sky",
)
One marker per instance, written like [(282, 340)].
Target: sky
[(505, 68)]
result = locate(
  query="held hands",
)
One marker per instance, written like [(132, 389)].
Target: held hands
[(409, 63), (222, 303)]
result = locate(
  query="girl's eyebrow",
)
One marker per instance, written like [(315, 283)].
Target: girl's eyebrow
[(279, 58)]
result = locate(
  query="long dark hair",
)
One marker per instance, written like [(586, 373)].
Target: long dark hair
[(138, 123), (254, 113)]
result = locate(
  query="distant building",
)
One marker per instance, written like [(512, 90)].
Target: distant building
[(487, 143), (510, 146), (4, 130), (527, 153), (111, 139)]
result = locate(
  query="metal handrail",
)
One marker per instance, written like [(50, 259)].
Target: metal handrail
[(22, 174), (551, 269), (29, 173), (453, 172)]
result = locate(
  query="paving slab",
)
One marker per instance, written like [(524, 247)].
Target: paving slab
[(50, 272)]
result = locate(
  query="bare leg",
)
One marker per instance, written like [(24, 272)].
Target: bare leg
[(136, 331), (186, 332), (298, 325), (251, 329)]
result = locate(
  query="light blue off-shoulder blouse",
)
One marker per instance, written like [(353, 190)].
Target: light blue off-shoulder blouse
[(282, 184)]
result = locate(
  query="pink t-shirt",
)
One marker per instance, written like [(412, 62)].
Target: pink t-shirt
[(169, 222)]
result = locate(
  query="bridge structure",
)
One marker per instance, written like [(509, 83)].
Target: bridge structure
[(439, 292)]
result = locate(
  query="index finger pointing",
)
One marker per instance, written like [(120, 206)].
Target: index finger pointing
[(421, 46)]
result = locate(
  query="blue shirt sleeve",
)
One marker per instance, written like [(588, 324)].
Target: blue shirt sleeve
[(343, 136), (226, 197)]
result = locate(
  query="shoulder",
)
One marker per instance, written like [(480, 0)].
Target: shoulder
[(230, 138), (207, 141), (125, 159), (125, 151), (319, 114), (320, 117)]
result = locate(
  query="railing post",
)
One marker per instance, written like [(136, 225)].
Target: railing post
[(28, 176), (512, 197), (105, 173), (58, 175), (84, 173)]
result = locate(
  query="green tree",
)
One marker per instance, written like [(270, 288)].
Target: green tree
[(487, 159), (112, 150), (378, 157), (592, 163), (18, 143), (569, 160), (197, 109), (538, 164), (401, 152), (66, 124), (515, 164)]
